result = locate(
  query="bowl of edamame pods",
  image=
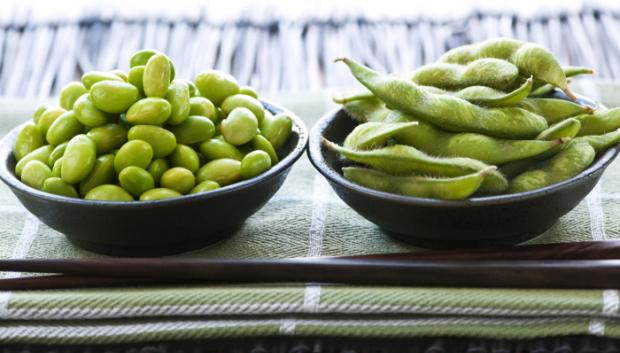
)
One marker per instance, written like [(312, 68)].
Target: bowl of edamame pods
[(141, 163), (487, 146)]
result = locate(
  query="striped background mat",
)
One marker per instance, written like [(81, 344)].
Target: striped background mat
[(43, 48)]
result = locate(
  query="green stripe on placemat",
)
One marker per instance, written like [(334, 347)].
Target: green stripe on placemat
[(305, 218)]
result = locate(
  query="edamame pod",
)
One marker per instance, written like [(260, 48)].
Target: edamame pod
[(41, 154), (28, 139), (552, 109), (431, 140), (185, 156), (78, 160), (531, 59), (602, 142), (102, 173), (108, 192), (57, 186), (87, 114), (161, 140), (149, 111), (456, 188), (450, 113), (35, 173), (92, 77), (277, 129), (365, 110), (178, 96), (600, 122), (64, 128), (491, 98), (541, 88), (216, 85), (113, 96), (572, 160), (402, 160), (568, 128), (372, 134), (156, 77), (489, 72), (108, 137), (223, 171), (194, 129), (70, 93)]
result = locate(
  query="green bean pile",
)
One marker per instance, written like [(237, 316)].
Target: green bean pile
[(144, 135), (478, 122)]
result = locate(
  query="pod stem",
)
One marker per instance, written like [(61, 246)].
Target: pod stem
[(487, 170), (569, 93)]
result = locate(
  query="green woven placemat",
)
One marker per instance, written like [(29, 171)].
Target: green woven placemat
[(305, 218)]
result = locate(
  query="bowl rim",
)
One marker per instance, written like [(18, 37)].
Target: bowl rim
[(315, 155), (9, 178)]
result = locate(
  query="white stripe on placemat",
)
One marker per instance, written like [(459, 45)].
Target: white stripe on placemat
[(29, 231), (610, 308), (597, 222)]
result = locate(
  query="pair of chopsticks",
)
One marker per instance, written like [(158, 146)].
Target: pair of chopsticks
[(568, 265)]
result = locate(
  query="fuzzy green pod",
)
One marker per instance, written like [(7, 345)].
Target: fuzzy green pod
[(456, 188), (372, 134), (447, 112), (601, 143), (568, 128), (492, 98), (28, 139), (600, 122), (403, 160), (553, 109), (572, 160), (489, 72), (367, 109)]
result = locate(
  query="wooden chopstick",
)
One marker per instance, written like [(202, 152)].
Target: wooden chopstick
[(431, 273)]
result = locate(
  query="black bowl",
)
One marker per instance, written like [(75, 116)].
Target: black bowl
[(154, 228), (429, 223)]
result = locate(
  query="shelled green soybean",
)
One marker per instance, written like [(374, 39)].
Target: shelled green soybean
[(482, 120), (146, 135)]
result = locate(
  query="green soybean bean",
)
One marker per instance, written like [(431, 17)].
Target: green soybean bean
[(277, 129), (402, 160), (41, 154), (223, 171), (450, 113), (178, 96), (488, 72), (108, 137), (259, 142), (87, 114), (455, 188), (120, 73), (185, 156), (57, 168), (255, 163), (600, 143), (248, 91), (178, 179), (70, 93), (136, 180), (216, 85), (600, 122), (48, 117), (161, 140), (102, 173), (149, 111), (431, 140), (245, 101), (193, 91), (141, 57), (78, 160), (92, 77), (133, 153), (239, 126), (552, 109), (194, 129), (217, 148), (35, 173), (568, 128), (57, 186), (64, 128), (205, 186), (136, 76), (372, 134), (113, 96), (108, 192), (37, 113), (531, 59), (28, 139), (157, 168), (572, 160), (57, 152), (159, 194), (203, 107), (156, 78)]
